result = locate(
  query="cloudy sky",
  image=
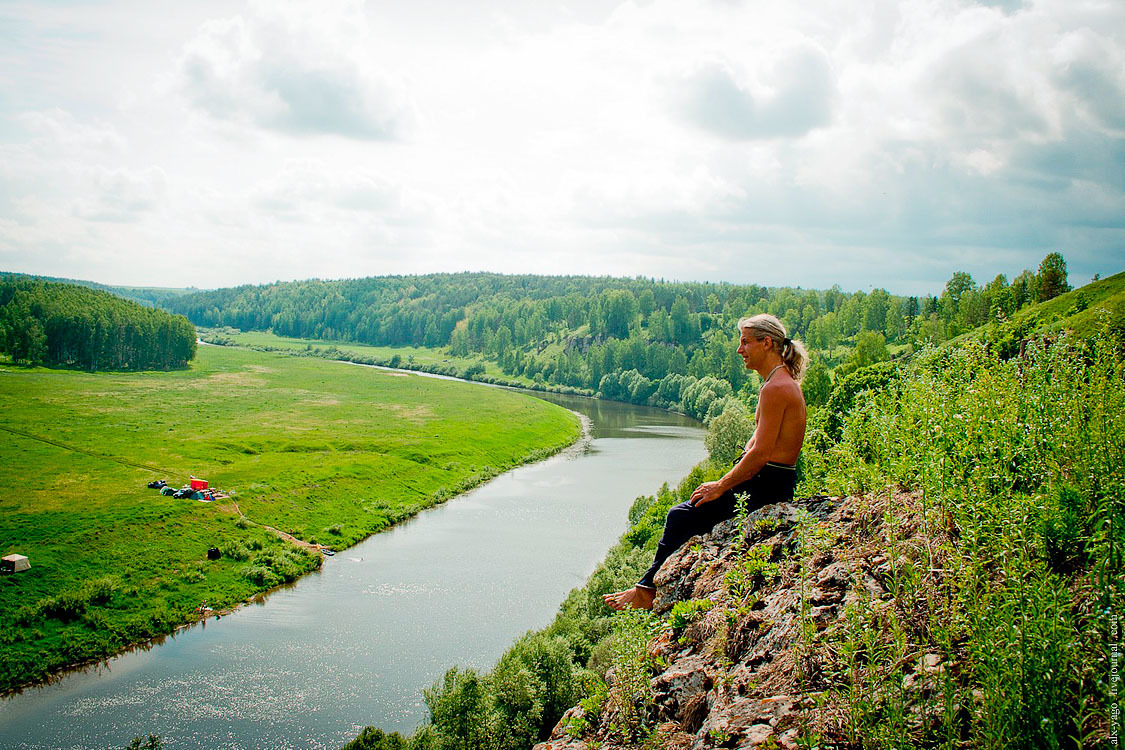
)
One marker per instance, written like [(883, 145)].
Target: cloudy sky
[(860, 142)]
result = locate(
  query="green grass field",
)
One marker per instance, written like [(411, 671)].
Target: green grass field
[(329, 452), (410, 357)]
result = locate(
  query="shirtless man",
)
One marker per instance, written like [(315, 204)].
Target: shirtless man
[(766, 472)]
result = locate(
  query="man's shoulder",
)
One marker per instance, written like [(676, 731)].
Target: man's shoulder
[(783, 389)]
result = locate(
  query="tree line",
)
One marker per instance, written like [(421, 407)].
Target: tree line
[(637, 340), (44, 322)]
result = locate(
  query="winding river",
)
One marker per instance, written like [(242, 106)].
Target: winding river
[(358, 641)]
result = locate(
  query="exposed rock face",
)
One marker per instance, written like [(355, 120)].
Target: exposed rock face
[(749, 671)]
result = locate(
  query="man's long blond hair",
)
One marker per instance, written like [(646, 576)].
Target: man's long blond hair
[(793, 353)]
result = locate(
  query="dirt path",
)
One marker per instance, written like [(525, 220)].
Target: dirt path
[(286, 536)]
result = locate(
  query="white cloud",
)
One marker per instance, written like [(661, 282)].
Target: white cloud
[(63, 132), (284, 67), (309, 189), (1090, 68), (119, 195), (793, 96)]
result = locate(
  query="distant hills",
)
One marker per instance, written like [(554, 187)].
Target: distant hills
[(152, 296), (642, 340)]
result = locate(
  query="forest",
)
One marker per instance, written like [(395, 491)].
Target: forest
[(642, 341), (64, 325)]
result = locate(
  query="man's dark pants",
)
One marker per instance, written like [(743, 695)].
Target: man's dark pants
[(773, 484)]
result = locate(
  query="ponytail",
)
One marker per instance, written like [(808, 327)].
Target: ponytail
[(795, 357)]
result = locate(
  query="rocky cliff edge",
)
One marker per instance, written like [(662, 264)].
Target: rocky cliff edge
[(767, 622)]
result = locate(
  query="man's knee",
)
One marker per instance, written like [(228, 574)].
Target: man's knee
[(679, 513)]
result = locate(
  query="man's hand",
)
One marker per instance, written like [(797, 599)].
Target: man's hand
[(706, 492)]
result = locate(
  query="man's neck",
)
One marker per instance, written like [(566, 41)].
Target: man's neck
[(770, 368)]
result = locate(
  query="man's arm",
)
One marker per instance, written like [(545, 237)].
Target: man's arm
[(771, 410)]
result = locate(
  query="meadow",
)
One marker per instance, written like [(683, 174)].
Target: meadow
[(421, 358), (327, 452)]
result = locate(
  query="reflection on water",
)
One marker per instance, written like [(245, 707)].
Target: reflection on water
[(356, 643)]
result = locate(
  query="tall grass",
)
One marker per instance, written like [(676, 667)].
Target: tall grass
[(1021, 467)]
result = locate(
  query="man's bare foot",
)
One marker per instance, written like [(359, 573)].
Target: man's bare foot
[(637, 597)]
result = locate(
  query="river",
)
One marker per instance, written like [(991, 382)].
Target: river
[(356, 643)]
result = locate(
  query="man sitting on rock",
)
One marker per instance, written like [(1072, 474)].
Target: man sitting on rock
[(766, 472)]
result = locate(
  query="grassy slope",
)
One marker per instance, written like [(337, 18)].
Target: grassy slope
[(327, 451), (1079, 310), (1006, 605)]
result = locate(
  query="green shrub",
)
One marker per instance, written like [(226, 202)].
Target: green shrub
[(27, 614), (728, 433), (272, 568), (686, 612), (66, 606), (459, 710), (234, 550), (1019, 462), (639, 506), (751, 571), (152, 742), (100, 590), (1061, 527), (631, 700), (261, 575), (592, 706), (877, 377), (376, 739), (646, 530)]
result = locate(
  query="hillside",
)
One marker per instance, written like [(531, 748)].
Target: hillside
[(151, 296), (945, 578), (955, 596), (750, 629), (1079, 310), (1083, 311)]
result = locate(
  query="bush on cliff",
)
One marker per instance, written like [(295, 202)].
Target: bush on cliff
[(1021, 467)]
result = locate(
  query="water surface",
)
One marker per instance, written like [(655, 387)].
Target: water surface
[(356, 642)]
